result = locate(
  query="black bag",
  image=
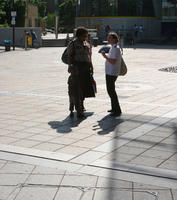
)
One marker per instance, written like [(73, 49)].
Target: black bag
[(94, 84), (64, 56)]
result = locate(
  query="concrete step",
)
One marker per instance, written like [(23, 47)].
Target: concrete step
[(53, 42)]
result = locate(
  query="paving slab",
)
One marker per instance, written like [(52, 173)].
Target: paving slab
[(33, 193)]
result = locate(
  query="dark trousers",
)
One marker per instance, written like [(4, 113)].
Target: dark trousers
[(110, 85), (75, 94), (75, 102)]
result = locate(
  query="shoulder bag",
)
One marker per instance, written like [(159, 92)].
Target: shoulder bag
[(123, 68)]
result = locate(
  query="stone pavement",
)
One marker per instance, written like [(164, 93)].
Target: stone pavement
[(46, 155)]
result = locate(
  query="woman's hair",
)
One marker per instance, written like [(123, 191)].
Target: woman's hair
[(81, 31), (114, 36)]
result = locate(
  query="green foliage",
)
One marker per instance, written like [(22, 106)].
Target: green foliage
[(50, 21), (42, 9), (67, 11), (20, 7), (4, 25), (5, 12), (4, 7)]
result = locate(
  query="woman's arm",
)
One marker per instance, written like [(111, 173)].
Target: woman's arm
[(110, 60)]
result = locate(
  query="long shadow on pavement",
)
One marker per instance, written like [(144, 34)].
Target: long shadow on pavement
[(107, 124), (66, 125)]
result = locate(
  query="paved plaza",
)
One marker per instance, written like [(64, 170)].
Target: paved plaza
[(46, 155)]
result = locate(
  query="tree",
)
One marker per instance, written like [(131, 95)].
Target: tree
[(5, 7), (20, 7), (50, 21), (67, 13), (42, 5), (2, 10)]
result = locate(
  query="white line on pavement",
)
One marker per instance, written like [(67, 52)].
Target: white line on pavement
[(93, 99)]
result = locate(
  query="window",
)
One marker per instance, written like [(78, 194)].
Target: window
[(88, 8), (169, 9)]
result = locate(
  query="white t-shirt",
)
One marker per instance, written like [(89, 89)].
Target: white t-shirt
[(114, 53), (140, 29)]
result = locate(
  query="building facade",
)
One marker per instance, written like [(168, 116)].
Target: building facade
[(122, 15), (31, 16)]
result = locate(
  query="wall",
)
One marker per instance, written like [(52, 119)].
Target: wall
[(6, 34), (152, 26), (31, 18)]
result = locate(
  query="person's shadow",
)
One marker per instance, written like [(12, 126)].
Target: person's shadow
[(107, 124), (65, 126)]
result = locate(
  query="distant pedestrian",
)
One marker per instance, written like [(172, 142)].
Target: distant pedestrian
[(121, 42), (141, 30), (112, 70), (107, 30), (135, 31), (25, 36), (121, 30), (34, 36)]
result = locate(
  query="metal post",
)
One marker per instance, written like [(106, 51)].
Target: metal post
[(56, 27), (13, 28), (56, 19)]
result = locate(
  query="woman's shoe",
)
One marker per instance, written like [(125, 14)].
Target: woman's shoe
[(110, 111)]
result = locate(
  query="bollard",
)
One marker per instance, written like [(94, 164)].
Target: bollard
[(7, 45)]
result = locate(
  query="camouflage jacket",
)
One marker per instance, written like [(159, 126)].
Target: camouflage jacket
[(78, 51)]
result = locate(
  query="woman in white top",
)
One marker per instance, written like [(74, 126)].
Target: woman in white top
[(112, 70)]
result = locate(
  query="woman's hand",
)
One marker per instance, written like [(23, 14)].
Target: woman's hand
[(110, 60), (103, 54), (91, 69)]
